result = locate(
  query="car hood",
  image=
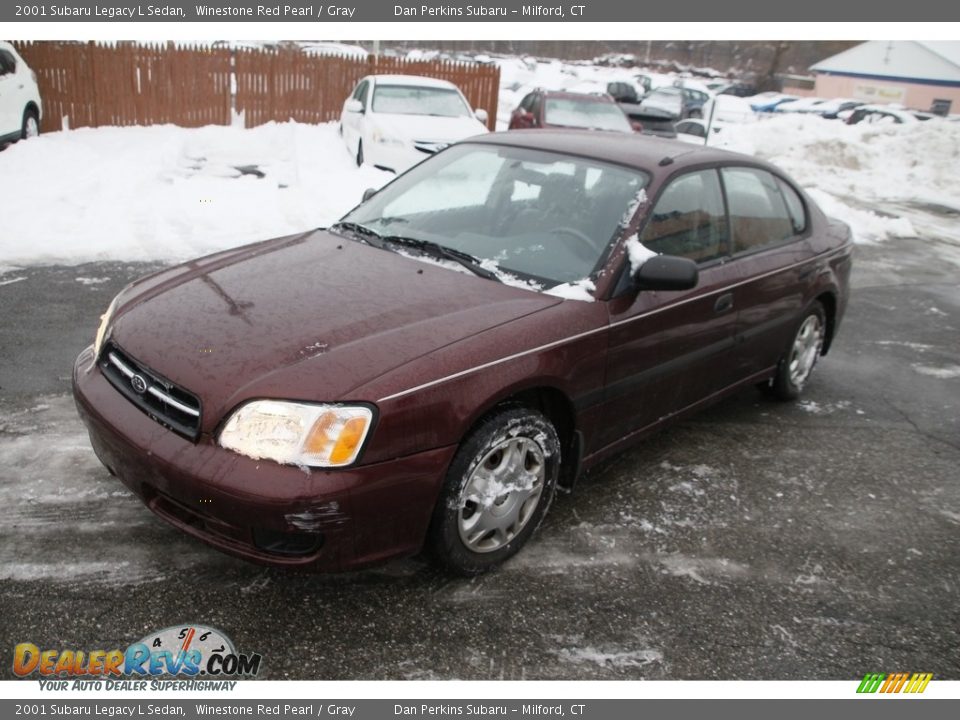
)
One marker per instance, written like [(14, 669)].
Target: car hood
[(309, 317), (428, 128)]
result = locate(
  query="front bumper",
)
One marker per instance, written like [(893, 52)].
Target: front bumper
[(258, 510), (396, 158)]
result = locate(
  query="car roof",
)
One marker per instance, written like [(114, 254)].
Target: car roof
[(644, 152), (420, 80)]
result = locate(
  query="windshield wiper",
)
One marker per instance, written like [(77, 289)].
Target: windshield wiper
[(371, 237), (428, 247)]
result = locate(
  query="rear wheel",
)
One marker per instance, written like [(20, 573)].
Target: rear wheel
[(498, 489), (31, 124), (797, 363)]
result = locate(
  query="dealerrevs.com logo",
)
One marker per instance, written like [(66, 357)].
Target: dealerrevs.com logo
[(180, 651)]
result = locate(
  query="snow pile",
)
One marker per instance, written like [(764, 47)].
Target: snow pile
[(170, 193)]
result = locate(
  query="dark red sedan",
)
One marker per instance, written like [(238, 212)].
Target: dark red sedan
[(427, 371), (558, 109)]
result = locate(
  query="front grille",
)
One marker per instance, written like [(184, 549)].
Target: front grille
[(169, 405)]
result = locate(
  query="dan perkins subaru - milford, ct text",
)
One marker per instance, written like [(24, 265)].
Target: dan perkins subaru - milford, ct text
[(485, 11)]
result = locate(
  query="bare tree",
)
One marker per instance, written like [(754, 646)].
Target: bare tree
[(768, 79)]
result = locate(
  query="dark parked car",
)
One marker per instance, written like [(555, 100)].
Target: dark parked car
[(430, 369), (880, 114), (556, 109), (738, 89)]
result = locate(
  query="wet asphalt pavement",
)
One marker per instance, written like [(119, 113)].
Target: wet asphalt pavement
[(759, 540)]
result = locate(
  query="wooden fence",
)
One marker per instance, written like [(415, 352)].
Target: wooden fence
[(91, 84)]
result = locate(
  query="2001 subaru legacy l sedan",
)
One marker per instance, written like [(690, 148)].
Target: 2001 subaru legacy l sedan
[(428, 371)]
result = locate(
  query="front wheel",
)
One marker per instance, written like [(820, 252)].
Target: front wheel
[(498, 489), (31, 125), (801, 355)]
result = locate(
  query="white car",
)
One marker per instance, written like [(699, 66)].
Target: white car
[(729, 109), (20, 106), (694, 130), (394, 121)]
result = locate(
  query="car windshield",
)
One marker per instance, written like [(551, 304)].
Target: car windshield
[(541, 217), (592, 114), (419, 100)]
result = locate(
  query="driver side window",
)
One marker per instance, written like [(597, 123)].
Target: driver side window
[(689, 219)]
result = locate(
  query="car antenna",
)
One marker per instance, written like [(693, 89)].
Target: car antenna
[(666, 161)]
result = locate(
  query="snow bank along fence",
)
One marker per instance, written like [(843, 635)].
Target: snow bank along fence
[(92, 84)]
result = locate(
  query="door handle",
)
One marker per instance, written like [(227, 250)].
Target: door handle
[(723, 303)]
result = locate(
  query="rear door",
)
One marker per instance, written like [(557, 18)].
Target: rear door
[(670, 350), (774, 262)]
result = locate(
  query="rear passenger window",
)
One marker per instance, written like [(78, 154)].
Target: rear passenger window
[(688, 220), (758, 212), (794, 206)]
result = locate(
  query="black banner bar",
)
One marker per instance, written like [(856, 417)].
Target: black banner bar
[(460, 11)]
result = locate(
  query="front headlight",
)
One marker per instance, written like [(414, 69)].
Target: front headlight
[(380, 137), (298, 434), (104, 328)]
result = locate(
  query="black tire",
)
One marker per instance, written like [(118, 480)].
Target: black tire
[(792, 372), (513, 432), (360, 153), (29, 116)]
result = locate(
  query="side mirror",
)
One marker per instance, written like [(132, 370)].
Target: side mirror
[(667, 272), (481, 115), (369, 193), (354, 106)]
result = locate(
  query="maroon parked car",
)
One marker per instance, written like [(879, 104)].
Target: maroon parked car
[(428, 371), (554, 109)]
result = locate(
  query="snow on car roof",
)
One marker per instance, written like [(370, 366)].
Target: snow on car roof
[(420, 80)]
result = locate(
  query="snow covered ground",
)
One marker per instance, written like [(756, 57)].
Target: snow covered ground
[(171, 193), (168, 193)]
